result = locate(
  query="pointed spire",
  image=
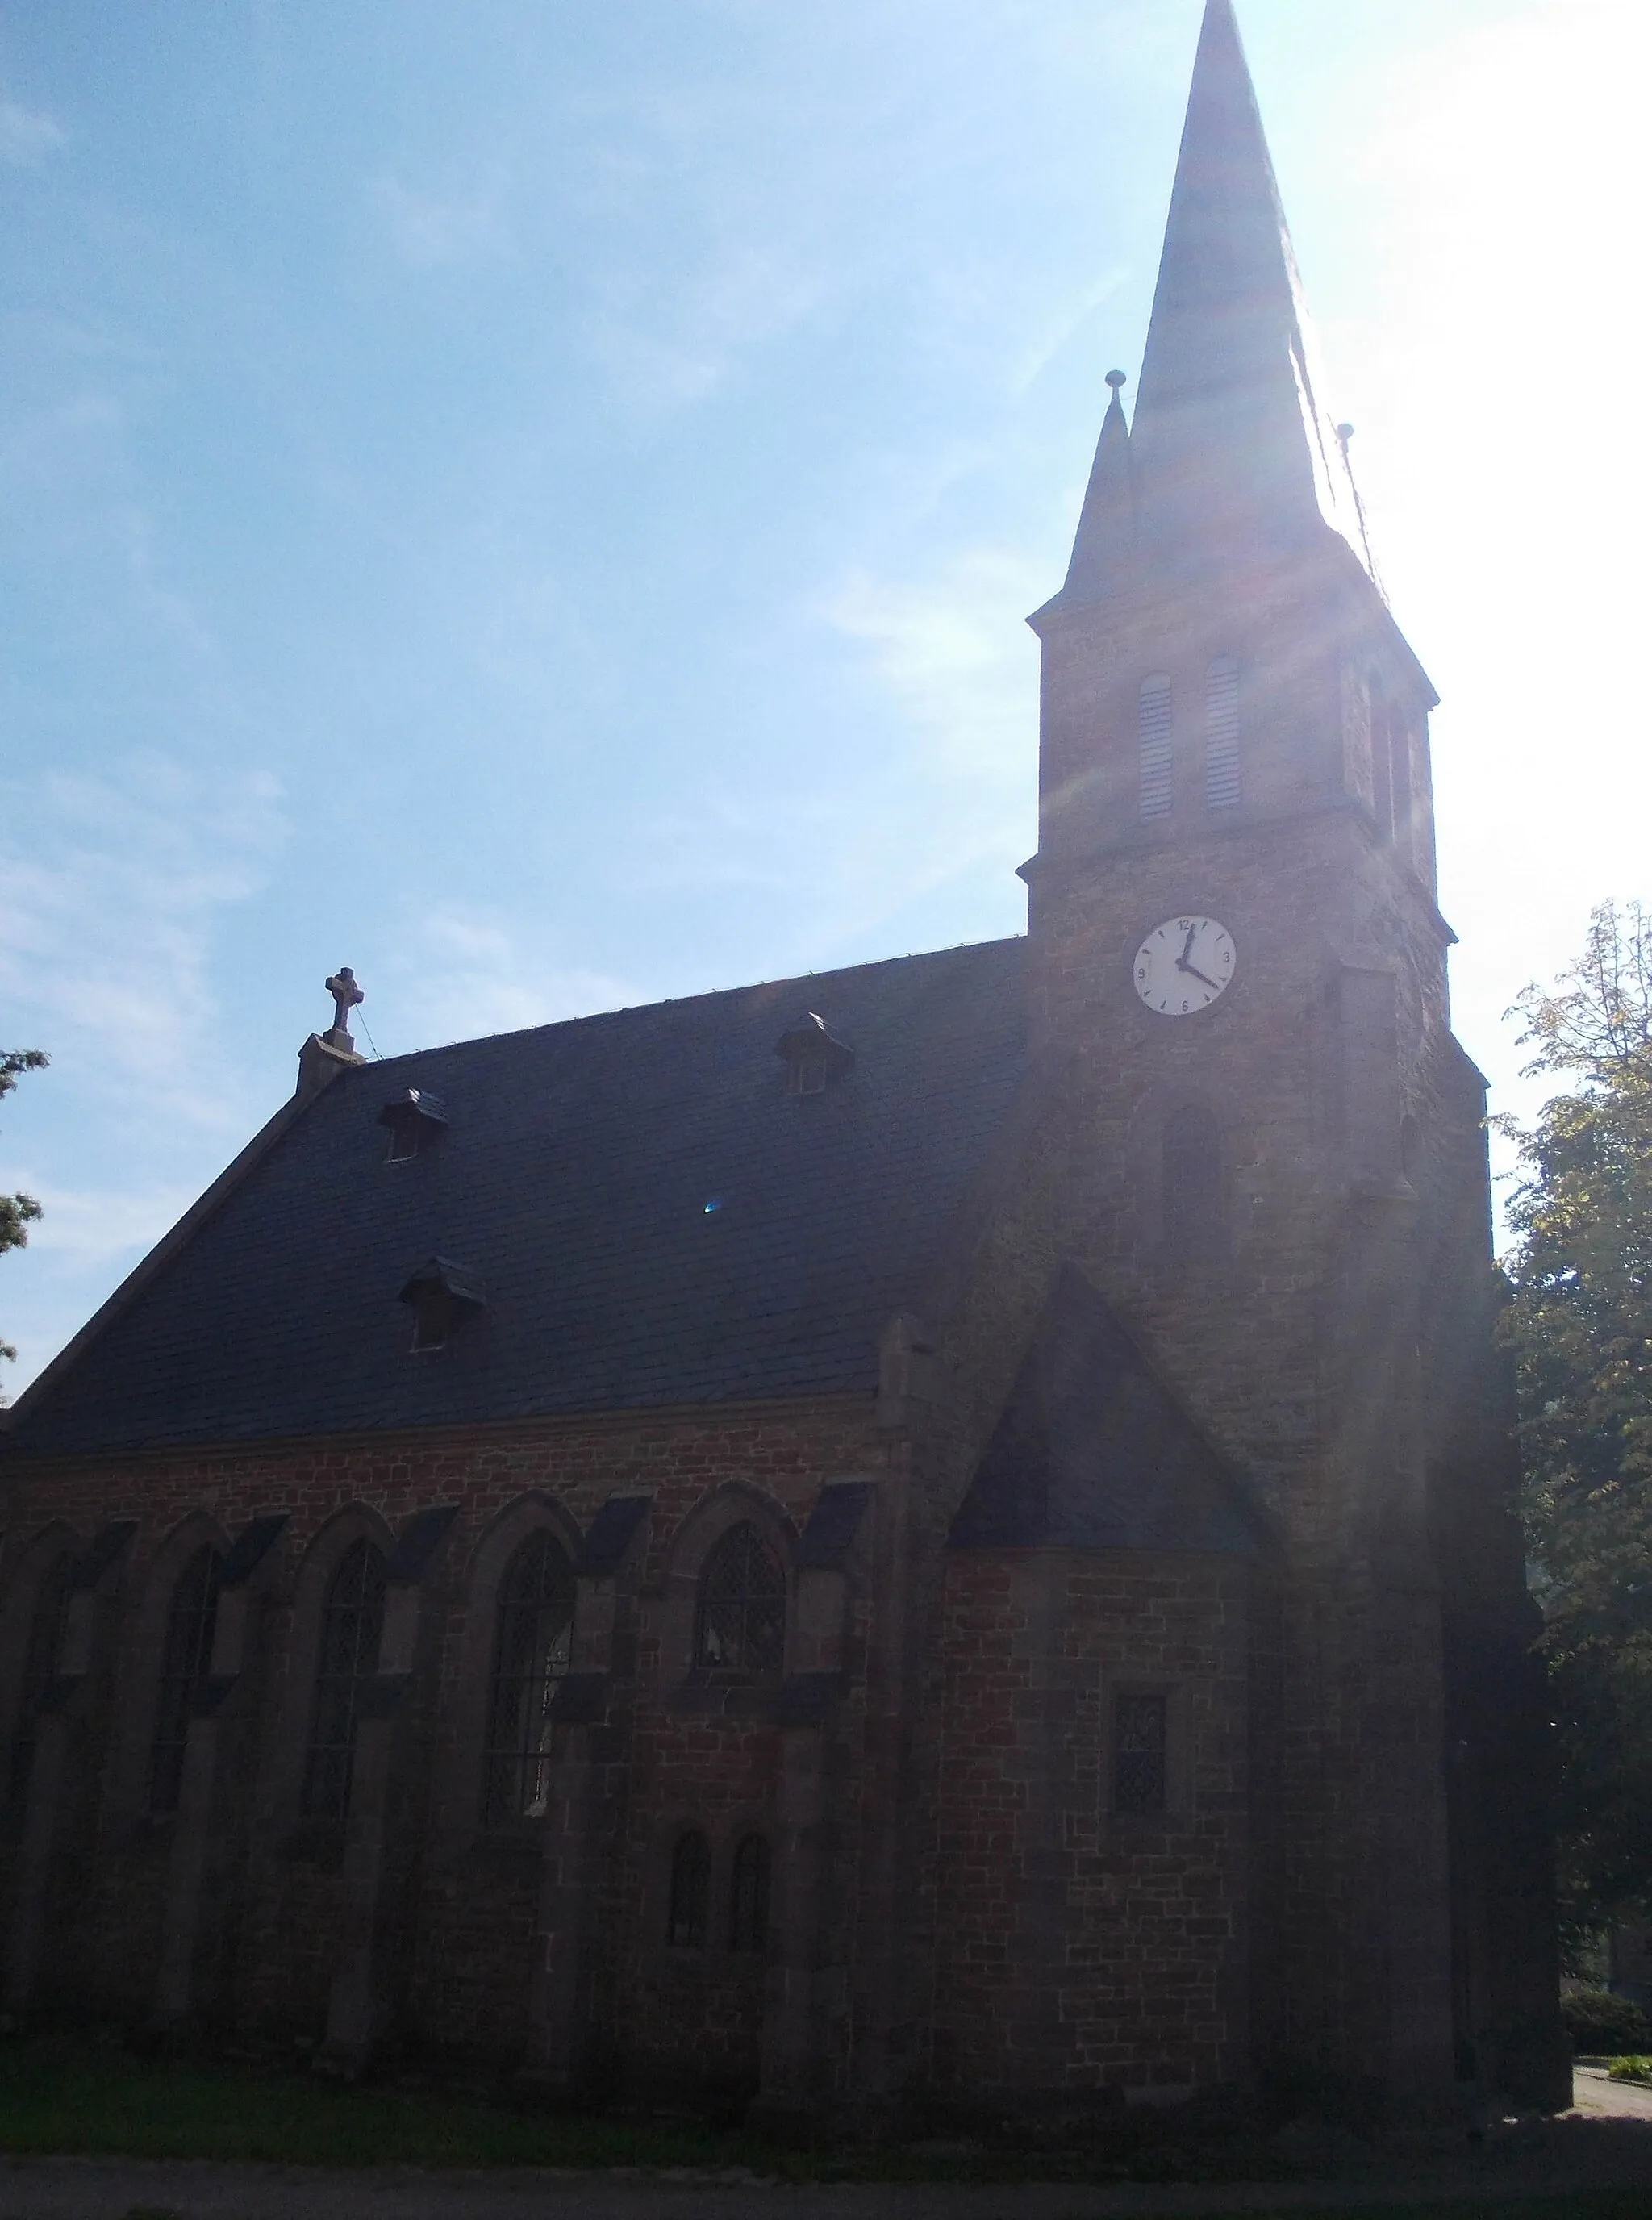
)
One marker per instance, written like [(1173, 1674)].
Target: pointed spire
[(1231, 456), (1105, 547), (1232, 447)]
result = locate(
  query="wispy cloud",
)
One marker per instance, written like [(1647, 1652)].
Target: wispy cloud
[(108, 912), (26, 135), (468, 973), (430, 230)]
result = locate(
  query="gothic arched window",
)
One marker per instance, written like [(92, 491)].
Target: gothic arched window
[(748, 1896), (1222, 734), (191, 1620), (685, 1924), (742, 1617), (352, 1620), (1153, 758), (531, 1652), (41, 1660), (1191, 1182)]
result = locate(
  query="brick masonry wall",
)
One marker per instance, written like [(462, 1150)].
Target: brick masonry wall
[(463, 1899), (1080, 1949)]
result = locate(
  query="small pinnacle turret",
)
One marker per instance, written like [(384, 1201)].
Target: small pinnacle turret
[(1104, 549)]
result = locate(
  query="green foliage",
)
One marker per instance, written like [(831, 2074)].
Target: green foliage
[(1631, 2069), (17, 1212), (1601, 2025), (1580, 1327)]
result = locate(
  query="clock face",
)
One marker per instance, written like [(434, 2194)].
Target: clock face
[(1183, 965)]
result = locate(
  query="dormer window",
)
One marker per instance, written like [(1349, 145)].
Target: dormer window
[(415, 1117), (441, 1296), (814, 1056)]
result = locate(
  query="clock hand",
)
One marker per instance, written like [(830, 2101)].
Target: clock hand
[(1193, 972), (1186, 948)]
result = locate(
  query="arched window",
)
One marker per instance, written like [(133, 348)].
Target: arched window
[(531, 1654), (690, 1892), (748, 1896), (742, 1617), (191, 1620), (1153, 746), (352, 1620), (41, 1660), (1222, 734), (1193, 1182)]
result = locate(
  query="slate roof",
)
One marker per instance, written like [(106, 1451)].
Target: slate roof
[(653, 1219)]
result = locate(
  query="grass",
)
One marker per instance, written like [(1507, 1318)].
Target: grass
[(66, 2095), (1635, 2067)]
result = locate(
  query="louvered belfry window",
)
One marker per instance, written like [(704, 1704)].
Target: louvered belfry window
[(531, 1658), (742, 1615), (1222, 734), (1139, 1777), (192, 1621), (1153, 746), (352, 1621)]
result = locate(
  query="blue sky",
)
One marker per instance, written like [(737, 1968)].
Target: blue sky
[(538, 501)]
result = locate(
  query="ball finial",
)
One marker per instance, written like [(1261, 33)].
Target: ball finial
[(1344, 433), (1116, 378)]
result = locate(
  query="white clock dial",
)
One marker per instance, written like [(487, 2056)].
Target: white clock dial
[(1183, 965)]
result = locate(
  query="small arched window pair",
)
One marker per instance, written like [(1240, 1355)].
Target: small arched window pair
[(687, 1922)]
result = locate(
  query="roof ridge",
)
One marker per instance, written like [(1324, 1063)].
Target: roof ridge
[(802, 980)]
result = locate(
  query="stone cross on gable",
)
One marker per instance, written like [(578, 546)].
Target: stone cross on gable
[(345, 995)]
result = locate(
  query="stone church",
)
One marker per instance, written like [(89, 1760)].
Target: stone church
[(938, 1530)]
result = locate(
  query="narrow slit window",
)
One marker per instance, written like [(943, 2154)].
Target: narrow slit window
[(1399, 778), (1192, 1170), (1382, 763), (191, 1621), (690, 1892), (531, 1658), (1222, 734), (1153, 746), (1139, 1776), (748, 1906), (352, 1621)]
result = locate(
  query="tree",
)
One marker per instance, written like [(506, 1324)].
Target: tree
[(16, 1211), (1581, 1325)]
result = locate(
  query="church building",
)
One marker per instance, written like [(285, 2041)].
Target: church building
[(937, 1530)]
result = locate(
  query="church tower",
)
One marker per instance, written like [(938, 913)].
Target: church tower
[(1234, 931)]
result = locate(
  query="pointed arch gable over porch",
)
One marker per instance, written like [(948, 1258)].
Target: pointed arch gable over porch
[(1094, 1451)]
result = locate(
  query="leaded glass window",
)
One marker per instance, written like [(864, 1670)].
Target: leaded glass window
[(742, 1617), (191, 1620), (352, 1621), (41, 1663), (531, 1653)]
